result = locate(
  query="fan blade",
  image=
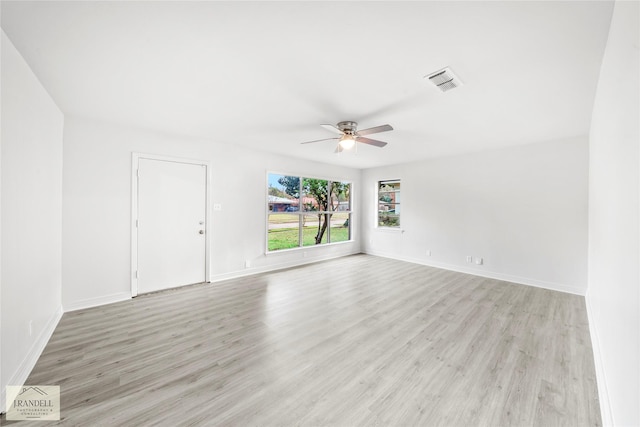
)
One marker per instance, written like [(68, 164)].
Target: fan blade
[(338, 149), (318, 140), (332, 128), (371, 141), (377, 129)]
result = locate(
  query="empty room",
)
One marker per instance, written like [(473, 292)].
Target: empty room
[(316, 213)]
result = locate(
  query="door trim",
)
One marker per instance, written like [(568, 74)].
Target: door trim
[(135, 158)]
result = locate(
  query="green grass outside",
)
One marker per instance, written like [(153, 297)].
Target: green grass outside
[(285, 238), (282, 218)]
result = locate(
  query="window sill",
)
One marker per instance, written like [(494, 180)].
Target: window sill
[(389, 230), (303, 248)]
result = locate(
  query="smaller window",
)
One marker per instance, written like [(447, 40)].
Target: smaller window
[(389, 203)]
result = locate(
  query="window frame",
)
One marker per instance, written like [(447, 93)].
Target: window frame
[(301, 212), (396, 202)]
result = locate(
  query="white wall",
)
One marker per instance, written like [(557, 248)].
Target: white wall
[(522, 209), (614, 215), (97, 207), (32, 127)]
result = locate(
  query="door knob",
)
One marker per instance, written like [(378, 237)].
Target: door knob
[(201, 231)]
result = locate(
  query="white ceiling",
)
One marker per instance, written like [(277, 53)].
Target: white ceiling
[(265, 75)]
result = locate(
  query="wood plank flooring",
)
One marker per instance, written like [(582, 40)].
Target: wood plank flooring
[(359, 340)]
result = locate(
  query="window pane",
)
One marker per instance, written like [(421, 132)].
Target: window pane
[(389, 203), (313, 226), (283, 191), (340, 229), (340, 196), (283, 231), (388, 219), (314, 194)]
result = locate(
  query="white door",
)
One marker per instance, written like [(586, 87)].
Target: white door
[(171, 228)]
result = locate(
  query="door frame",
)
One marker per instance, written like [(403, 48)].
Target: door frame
[(135, 158)]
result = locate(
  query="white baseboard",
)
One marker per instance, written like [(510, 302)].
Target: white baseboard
[(19, 377), (603, 392), (483, 273), (95, 302), (123, 296), (278, 266)]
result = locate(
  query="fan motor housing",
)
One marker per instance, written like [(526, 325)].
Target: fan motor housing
[(348, 127)]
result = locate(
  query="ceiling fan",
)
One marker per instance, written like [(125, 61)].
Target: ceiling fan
[(349, 135)]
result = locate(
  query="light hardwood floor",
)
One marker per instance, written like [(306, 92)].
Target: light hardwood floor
[(359, 340)]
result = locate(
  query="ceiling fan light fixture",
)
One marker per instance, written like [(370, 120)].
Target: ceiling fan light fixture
[(349, 135), (347, 142)]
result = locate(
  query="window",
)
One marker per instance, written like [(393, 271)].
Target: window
[(389, 203), (307, 212)]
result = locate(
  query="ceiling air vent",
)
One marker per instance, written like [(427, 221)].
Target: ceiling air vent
[(444, 79)]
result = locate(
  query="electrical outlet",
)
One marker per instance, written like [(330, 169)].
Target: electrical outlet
[(469, 258), (428, 252), (30, 327), (247, 263), (478, 261)]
